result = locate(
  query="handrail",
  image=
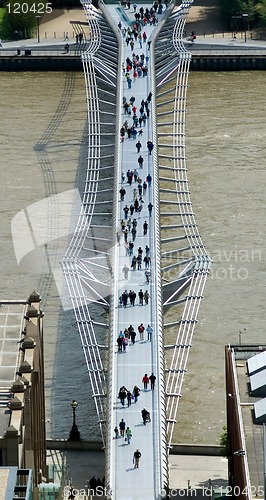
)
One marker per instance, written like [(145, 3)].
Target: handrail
[(73, 266), (177, 174)]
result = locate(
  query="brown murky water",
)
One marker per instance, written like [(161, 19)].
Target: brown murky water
[(43, 153)]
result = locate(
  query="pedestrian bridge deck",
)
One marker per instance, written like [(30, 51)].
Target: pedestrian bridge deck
[(142, 357), (168, 62)]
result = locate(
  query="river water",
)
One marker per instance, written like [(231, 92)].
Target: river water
[(43, 154)]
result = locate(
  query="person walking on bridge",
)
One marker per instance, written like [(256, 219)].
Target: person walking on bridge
[(141, 296), (128, 435), (149, 97), (122, 427), (129, 398), (150, 207), (122, 193), (146, 261), (140, 161), (149, 179), (144, 414), (146, 297), (134, 261), (149, 331), (141, 331), (136, 458), (147, 276), (132, 297), (136, 393), (150, 146), (145, 228), (122, 394), (152, 379), (145, 381), (125, 271)]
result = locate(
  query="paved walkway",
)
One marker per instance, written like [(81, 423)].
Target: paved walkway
[(198, 470), (55, 29)]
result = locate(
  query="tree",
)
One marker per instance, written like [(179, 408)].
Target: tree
[(233, 11), (21, 15), (261, 9), (231, 8), (224, 442), (5, 29)]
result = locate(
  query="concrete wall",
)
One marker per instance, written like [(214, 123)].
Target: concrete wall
[(73, 63), (40, 63), (177, 449), (227, 63)]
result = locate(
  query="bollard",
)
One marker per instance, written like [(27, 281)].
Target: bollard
[(45, 35), (54, 34)]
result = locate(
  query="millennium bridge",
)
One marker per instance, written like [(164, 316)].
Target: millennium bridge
[(108, 264)]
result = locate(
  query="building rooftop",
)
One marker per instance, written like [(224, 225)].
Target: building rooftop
[(253, 432), (15, 483), (11, 325)]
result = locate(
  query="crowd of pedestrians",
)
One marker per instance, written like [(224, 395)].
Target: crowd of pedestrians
[(136, 208), (128, 336)]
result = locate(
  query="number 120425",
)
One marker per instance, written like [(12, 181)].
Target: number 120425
[(25, 8)]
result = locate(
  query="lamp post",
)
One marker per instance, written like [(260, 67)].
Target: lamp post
[(74, 434), (245, 21), (38, 27)]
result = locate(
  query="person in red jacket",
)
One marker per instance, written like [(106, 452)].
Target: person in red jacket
[(145, 381), (141, 329)]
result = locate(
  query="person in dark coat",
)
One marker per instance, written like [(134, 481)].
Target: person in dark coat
[(119, 343), (140, 161), (150, 207), (136, 458), (136, 393), (122, 193), (122, 427), (134, 262), (122, 395), (149, 179), (129, 398), (152, 379), (133, 336), (149, 145), (144, 414), (125, 298)]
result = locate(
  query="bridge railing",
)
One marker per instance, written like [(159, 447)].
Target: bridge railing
[(86, 264), (190, 258)]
